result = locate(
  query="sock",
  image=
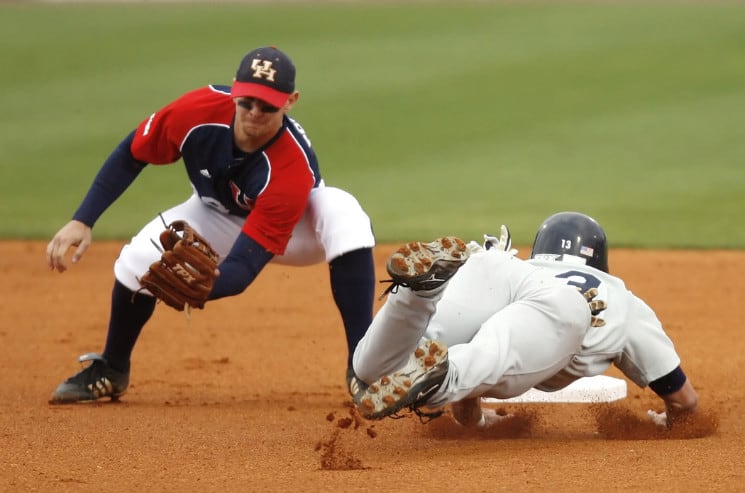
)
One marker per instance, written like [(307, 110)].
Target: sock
[(128, 315), (353, 288)]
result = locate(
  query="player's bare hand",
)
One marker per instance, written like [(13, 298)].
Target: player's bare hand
[(491, 417), (72, 234)]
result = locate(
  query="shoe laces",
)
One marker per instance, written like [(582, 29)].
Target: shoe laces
[(90, 373), (424, 416), (393, 288)]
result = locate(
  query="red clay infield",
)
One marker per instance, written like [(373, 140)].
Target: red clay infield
[(249, 395)]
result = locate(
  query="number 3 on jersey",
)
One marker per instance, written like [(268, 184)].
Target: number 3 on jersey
[(584, 282)]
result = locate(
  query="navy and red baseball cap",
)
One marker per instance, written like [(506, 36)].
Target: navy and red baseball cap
[(267, 74)]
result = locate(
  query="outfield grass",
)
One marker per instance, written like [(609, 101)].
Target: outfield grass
[(440, 119)]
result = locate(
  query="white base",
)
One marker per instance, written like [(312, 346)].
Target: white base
[(600, 388)]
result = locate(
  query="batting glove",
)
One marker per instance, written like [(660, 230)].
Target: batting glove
[(503, 243), (659, 419)]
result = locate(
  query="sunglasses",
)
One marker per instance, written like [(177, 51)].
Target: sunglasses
[(249, 103)]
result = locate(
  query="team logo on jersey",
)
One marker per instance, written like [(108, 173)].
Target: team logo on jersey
[(263, 69), (241, 199)]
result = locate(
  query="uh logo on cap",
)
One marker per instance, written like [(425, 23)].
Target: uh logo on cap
[(263, 69)]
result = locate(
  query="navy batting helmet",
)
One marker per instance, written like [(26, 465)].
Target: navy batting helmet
[(567, 236)]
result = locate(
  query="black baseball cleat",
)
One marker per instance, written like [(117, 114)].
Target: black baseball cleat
[(410, 387), (426, 266), (93, 382)]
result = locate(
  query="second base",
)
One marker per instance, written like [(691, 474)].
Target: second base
[(600, 388)]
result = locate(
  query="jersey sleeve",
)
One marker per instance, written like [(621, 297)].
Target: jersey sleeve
[(159, 137), (282, 204), (649, 353)]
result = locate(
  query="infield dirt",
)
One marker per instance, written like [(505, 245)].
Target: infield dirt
[(249, 394)]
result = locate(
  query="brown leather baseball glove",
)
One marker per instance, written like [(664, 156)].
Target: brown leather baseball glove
[(186, 271)]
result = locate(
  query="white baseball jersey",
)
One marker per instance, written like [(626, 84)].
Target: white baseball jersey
[(512, 325), (632, 338)]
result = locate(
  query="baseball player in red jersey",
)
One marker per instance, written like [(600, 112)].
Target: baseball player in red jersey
[(510, 325), (258, 197)]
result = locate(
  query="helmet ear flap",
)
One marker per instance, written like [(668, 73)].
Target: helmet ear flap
[(572, 235)]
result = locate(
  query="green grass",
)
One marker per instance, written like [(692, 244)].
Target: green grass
[(439, 118)]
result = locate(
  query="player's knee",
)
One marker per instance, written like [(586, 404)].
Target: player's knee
[(341, 222), (132, 263)]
